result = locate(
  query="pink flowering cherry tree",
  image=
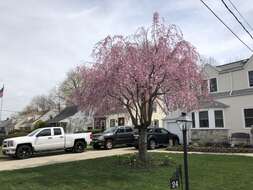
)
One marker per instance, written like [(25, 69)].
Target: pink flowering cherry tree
[(154, 64)]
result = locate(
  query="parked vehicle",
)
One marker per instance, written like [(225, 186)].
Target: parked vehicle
[(113, 136), (157, 137), (45, 139)]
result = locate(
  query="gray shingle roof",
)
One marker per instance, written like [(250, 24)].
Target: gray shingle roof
[(211, 104), (234, 66), (67, 112), (242, 92)]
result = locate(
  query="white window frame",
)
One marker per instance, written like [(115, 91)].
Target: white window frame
[(199, 120), (209, 90), (224, 123), (243, 117), (248, 79), (211, 119)]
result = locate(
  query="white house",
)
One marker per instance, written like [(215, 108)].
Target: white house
[(231, 108)]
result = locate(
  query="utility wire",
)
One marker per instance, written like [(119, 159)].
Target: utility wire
[(226, 25), (244, 19), (236, 18)]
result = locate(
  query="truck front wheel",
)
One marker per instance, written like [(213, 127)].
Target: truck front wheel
[(79, 146), (24, 152)]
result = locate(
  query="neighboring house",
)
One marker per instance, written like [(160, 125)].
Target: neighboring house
[(49, 115), (120, 117), (72, 120), (231, 107), (26, 122), (6, 127)]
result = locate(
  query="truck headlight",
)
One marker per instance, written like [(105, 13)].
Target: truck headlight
[(101, 138), (10, 143)]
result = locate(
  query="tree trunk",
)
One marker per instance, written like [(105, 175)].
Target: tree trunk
[(143, 144)]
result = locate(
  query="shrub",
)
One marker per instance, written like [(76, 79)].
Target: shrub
[(40, 124)]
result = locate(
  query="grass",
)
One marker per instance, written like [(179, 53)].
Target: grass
[(207, 172)]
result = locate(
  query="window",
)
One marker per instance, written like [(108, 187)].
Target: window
[(213, 85), (218, 115), (251, 78), (203, 119), (129, 129), (121, 121), (164, 131), (193, 120), (248, 117), (112, 122), (44, 133), (156, 123), (57, 131)]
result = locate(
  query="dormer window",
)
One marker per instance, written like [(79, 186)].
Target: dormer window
[(213, 85), (251, 78)]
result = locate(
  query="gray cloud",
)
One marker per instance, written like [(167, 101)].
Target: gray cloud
[(41, 40)]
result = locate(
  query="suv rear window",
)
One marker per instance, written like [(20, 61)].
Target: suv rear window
[(57, 131)]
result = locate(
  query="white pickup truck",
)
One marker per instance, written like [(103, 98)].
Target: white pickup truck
[(45, 139)]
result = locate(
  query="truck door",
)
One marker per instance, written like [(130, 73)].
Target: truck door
[(43, 140), (58, 140)]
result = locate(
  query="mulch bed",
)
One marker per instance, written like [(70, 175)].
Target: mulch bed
[(213, 149)]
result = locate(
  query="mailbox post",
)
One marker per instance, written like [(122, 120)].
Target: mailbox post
[(183, 123)]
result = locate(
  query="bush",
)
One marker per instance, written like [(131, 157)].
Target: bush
[(94, 131), (133, 161), (213, 149), (40, 124)]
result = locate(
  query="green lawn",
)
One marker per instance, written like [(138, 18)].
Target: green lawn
[(207, 172)]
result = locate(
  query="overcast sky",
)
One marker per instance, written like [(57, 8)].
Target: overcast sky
[(40, 40)]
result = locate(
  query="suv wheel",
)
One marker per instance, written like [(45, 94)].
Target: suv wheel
[(108, 144), (79, 146), (24, 152), (152, 144)]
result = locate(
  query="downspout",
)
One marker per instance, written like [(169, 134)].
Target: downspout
[(231, 84)]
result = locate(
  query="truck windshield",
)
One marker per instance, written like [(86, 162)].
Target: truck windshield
[(110, 130), (33, 133)]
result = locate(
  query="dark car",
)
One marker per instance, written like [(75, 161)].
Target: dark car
[(157, 137), (113, 136)]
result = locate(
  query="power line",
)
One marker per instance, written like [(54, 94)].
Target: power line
[(236, 18), (226, 25), (244, 19)]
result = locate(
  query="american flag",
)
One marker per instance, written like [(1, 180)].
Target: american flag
[(2, 92)]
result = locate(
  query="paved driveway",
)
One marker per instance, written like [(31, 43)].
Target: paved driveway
[(7, 163)]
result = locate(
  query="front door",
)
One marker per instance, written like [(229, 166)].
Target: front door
[(44, 140)]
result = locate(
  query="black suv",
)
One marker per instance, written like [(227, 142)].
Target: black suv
[(157, 137), (121, 135)]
